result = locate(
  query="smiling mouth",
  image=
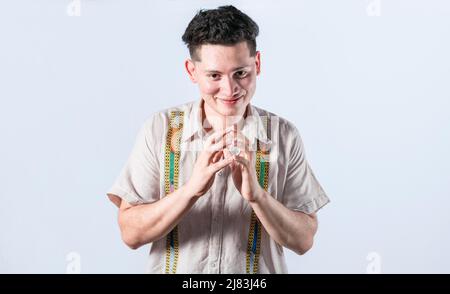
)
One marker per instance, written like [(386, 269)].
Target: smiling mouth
[(230, 101)]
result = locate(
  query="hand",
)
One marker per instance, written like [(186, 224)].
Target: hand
[(243, 169), (210, 161)]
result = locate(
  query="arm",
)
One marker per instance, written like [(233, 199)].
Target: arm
[(292, 229), (142, 224)]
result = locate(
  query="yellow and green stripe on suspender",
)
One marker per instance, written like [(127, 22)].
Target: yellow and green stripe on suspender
[(171, 173), (254, 234)]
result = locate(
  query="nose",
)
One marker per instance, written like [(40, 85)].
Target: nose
[(229, 88)]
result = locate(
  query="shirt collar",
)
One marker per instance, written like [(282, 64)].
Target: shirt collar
[(255, 127), (192, 122)]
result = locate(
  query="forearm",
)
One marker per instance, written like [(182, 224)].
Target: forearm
[(292, 229), (146, 223)]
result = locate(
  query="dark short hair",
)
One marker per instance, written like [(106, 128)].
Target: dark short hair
[(225, 25)]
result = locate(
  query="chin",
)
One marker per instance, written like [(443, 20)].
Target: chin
[(229, 112)]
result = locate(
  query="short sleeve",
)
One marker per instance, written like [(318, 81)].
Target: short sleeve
[(302, 192), (138, 182)]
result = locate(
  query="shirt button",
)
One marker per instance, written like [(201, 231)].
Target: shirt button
[(220, 173), (214, 264)]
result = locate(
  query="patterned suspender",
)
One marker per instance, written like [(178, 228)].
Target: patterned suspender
[(171, 172), (254, 235)]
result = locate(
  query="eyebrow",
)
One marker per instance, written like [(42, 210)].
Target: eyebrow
[(234, 69)]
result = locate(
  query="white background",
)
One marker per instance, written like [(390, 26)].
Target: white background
[(367, 83)]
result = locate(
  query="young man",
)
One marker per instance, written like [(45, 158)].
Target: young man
[(219, 185)]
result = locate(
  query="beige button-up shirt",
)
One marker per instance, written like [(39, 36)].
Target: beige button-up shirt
[(213, 235)]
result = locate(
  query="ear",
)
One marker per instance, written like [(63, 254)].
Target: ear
[(258, 62), (190, 69)]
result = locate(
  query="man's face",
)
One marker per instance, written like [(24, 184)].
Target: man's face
[(226, 76)]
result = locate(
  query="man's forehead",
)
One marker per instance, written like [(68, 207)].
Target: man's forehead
[(230, 57)]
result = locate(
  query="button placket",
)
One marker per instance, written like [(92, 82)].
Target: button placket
[(216, 221)]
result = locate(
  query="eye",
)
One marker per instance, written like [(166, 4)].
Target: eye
[(214, 76), (241, 74)]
